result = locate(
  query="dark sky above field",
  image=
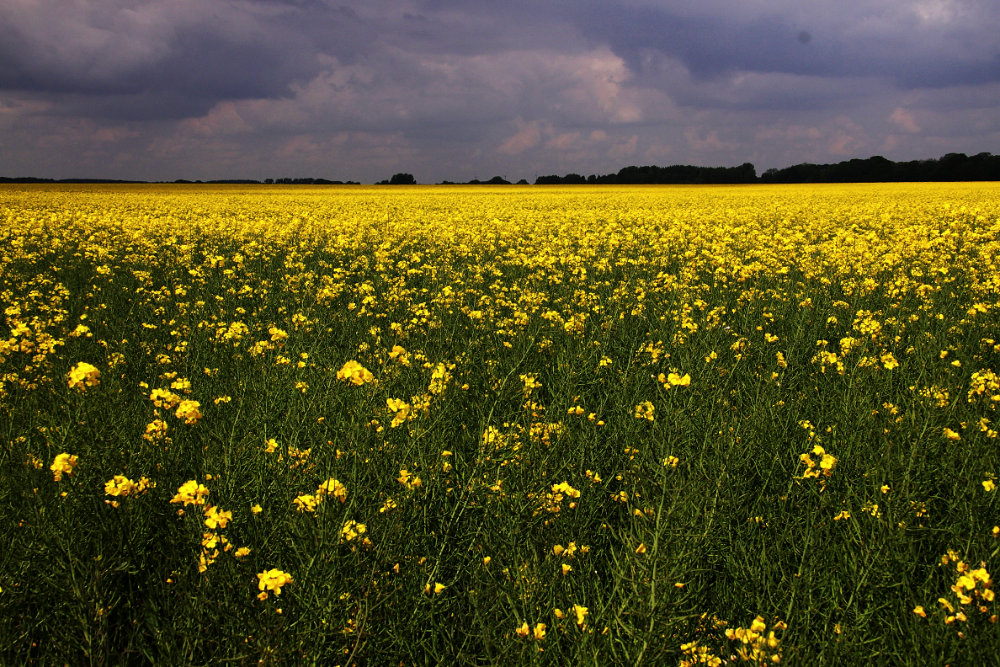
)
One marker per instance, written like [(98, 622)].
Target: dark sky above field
[(462, 89)]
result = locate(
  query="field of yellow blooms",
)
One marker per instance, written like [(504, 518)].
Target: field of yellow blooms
[(601, 425)]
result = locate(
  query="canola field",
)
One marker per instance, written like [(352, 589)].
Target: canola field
[(432, 425)]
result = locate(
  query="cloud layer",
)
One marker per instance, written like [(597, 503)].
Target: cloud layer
[(458, 90)]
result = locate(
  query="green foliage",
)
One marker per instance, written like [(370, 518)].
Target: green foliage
[(811, 491)]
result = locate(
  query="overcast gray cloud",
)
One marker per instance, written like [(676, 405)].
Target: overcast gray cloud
[(450, 89)]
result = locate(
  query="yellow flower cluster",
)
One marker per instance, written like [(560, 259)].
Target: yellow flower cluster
[(120, 486), (821, 469), (191, 493), (355, 373), (272, 580), (308, 502), (63, 464), (84, 375), (972, 590)]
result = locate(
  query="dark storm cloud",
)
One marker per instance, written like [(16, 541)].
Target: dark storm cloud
[(889, 40), (173, 59), (320, 87)]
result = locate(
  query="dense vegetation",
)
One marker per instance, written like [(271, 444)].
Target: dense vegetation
[(499, 426)]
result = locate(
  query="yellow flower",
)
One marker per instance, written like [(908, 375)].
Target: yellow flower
[(989, 485), (216, 518), (951, 435), (351, 530), (120, 485), (189, 411), (523, 630), (564, 487), (581, 613), (63, 465), (164, 398), (155, 430), (539, 631), (354, 373), (272, 580), (645, 410), (400, 410), (332, 487), (389, 504), (190, 493), (408, 479), (307, 502), (84, 375), (241, 552), (676, 380), (256, 509)]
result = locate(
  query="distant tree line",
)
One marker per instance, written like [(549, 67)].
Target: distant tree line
[(951, 167), (399, 179), (306, 181), (681, 174), (496, 180)]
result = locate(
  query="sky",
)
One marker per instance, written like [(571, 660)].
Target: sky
[(471, 89)]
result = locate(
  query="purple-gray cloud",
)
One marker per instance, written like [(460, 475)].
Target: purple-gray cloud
[(450, 89)]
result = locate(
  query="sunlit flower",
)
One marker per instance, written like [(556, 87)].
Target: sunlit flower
[(332, 487), (120, 485), (307, 502), (408, 479), (273, 580), (355, 373), (645, 410), (352, 530), (216, 518), (63, 465), (189, 411), (84, 375), (437, 588), (190, 493)]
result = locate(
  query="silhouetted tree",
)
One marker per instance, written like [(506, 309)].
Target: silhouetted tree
[(402, 179)]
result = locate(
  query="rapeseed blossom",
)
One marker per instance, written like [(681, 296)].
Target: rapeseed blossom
[(332, 487), (355, 373), (189, 411), (120, 486), (63, 464), (191, 493), (272, 580), (84, 375), (352, 530), (645, 410)]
